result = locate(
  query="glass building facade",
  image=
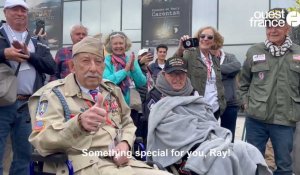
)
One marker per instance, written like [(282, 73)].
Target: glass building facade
[(230, 17)]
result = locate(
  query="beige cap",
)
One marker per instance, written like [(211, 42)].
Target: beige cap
[(88, 44)]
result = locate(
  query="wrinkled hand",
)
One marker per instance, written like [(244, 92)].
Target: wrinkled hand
[(132, 59), (14, 54), (121, 153), (94, 117), (180, 46), (40, 33), (130, 64), (216, 53), (244, 107)]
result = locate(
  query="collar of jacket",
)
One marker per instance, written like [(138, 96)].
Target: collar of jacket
[(156, 62), (72, 87)]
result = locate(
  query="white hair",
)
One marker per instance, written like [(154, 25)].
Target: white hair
[(76, 26)]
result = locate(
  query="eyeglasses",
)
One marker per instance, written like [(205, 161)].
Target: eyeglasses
[(209, 37)]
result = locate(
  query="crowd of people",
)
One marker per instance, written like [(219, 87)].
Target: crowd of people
[(100, 98)]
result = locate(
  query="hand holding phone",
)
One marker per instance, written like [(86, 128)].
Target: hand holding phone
[(191, 42), (17, 44), (39, 24), (151, 51), (23, 49)]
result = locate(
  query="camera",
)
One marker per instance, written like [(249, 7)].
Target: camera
[(39, 24), (191, 42)]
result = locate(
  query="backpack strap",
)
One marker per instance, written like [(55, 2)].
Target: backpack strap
[(67, 112)]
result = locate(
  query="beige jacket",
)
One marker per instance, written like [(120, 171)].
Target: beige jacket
[(52, 133)]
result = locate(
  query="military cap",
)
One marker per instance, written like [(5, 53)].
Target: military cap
[(89, 44)]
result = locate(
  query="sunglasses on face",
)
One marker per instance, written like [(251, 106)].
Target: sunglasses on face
[(209, 37)]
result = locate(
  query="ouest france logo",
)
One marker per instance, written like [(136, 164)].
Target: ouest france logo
[(265, 19)]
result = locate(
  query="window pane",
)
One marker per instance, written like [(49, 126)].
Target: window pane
[(71, 17), (238, 51), (132, 18), (91, 16), (133, 35), (282, 3), (110, 16), (135, 47), (234, 23), (204, 14), (2, 14)]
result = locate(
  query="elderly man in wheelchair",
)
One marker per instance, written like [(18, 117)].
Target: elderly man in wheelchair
[(86, 118), (183, 129)]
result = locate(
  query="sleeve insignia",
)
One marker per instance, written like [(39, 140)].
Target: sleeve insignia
[(39, 125), (42, 108)]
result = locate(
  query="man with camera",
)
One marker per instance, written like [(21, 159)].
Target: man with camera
[(159, 63), (32, 58)]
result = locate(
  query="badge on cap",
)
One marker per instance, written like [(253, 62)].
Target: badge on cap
[(259, 58), (39, 125), (42, 108)]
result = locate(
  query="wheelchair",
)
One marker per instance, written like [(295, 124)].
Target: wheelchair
[(37, 161)]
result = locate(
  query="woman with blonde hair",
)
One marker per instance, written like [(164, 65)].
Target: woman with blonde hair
[(204, 68), (124, 71), (121, 69)]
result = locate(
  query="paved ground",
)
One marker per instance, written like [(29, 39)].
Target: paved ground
[(239, 127)]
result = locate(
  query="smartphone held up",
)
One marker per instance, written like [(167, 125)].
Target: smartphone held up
[(151, 51), (39, 24)]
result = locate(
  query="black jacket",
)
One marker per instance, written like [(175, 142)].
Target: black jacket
[(151, 98), (42, 59), (154, 70)]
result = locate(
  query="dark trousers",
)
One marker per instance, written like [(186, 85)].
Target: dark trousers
[(15, 120), (228, 119), (141, 125), (258, 133)]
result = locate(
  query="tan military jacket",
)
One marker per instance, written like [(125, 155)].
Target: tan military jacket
[(52, 133)]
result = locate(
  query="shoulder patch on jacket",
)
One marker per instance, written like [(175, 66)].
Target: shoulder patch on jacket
[(48, 88)]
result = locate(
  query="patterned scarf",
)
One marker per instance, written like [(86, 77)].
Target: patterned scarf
[(277, 51), (120, 63)]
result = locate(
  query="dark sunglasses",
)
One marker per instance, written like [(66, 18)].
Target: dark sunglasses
[(209, 37)]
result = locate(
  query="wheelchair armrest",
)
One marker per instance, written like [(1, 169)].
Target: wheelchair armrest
[(153, 164), (57, 157)]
